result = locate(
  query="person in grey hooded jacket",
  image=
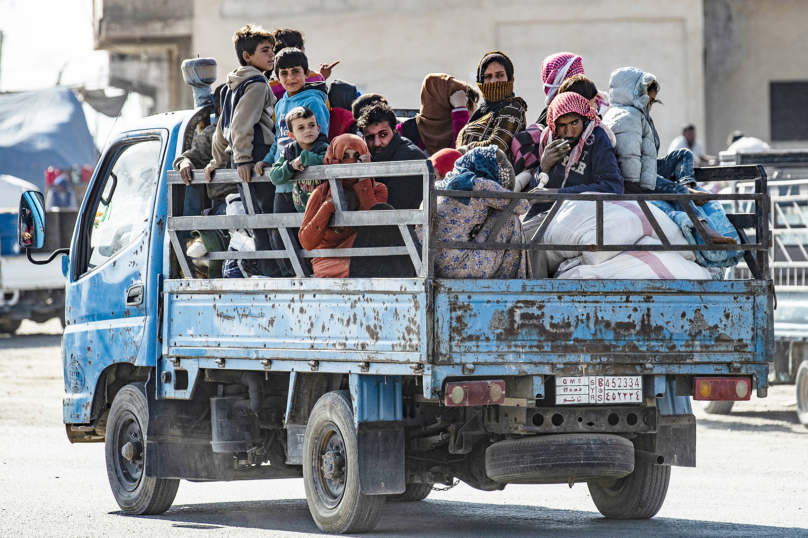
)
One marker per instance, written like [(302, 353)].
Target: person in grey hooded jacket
[(632, 93), (629, 118)]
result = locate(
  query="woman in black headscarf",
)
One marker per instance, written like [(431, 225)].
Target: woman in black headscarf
[(502, 115)]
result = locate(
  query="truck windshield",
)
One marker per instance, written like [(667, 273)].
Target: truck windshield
[(122, 213)]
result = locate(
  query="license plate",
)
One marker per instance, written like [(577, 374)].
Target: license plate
[(598, 389)]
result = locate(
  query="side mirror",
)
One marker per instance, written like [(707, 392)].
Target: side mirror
[(31, 222)]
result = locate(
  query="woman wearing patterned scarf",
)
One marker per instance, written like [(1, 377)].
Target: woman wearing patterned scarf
[(502, 115), (483, 169)]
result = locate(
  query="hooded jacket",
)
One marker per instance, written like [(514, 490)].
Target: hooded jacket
[(312, 96), (630, 121), (251, 114)]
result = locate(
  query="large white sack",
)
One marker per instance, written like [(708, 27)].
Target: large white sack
[(637, 265), (624, 223)]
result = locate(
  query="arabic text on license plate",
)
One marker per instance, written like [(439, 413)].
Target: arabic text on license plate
[(598, 389)]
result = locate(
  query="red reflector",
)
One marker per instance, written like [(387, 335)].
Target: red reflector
[(468, 393), (722, 388)]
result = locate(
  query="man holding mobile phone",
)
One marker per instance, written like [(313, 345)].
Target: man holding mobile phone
[(576, 153)]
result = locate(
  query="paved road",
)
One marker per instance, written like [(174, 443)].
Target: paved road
[(752, 480)]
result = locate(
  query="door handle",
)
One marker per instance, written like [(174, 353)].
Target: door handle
[(134, 295)]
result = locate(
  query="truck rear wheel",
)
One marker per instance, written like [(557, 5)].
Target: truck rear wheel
[(135, 493), (414, 493), (802, 392), (637, 496), (718, 408), (331, 469)]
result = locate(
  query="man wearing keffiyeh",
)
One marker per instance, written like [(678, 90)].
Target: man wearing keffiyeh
[(576, 152)]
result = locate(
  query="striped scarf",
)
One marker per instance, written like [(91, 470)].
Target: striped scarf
[(566, 103)]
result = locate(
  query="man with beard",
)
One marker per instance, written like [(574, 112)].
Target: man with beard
[(576, 151), (378, 125), (577, 155)]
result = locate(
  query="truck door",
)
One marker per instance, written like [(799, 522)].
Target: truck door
[(106, 291)]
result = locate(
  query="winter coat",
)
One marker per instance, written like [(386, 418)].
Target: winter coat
[(313, 96), (315, 233), (251, 116), (282, 172), (631, 123)]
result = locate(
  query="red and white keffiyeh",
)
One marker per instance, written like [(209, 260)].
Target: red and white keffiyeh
[(557, 68), (566, 103)]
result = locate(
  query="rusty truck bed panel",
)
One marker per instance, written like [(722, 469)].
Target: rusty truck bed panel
[(696, 324), (311, 319), (664, 327)]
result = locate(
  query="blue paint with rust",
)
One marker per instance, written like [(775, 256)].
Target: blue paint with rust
[(385, 329)]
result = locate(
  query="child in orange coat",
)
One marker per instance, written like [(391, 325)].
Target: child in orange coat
[(360, 194)]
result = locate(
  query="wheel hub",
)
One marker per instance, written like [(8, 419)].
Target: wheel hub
[(131, 451), (333, 466)]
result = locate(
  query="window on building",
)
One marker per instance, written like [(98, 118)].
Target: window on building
[(789, 110)]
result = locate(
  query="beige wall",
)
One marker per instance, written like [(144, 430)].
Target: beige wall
[(387, 46), (750, 43)]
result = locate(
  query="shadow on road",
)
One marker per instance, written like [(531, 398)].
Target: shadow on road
[(758, 421), (22, 341), (451, 518)]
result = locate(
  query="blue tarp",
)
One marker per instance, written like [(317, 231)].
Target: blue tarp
[(40, 129)]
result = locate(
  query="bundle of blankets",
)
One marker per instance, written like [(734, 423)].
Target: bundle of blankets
[(625, 224)]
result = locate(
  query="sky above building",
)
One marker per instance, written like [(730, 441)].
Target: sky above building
[(50, 42)]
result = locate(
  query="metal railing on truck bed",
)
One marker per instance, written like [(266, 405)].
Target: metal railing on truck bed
[(441, 328), (754, 251)]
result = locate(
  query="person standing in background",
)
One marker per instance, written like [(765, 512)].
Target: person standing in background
[(688, 140)]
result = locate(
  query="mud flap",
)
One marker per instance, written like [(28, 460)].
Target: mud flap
[(381, 458), (378, 416), (675, 439)]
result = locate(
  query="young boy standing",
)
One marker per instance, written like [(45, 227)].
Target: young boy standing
[(245, 131)]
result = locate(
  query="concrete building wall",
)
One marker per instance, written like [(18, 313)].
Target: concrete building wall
[(749, 44), (388, 46), (147, 39)]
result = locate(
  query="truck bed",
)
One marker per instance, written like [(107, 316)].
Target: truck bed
[(533, 327)]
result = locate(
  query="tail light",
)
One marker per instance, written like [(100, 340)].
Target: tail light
[(722, 388), (469, 393)]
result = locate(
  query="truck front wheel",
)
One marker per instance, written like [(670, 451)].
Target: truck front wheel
[(135, 493), (802, 392), (637, 496), (331, 469)]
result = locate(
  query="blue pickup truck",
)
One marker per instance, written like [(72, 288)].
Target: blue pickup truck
[(375, 390)]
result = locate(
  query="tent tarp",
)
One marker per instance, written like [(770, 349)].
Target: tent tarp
[(40, 129)]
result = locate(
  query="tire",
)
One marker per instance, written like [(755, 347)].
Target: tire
[(559, 459), (718, 408), (9, 326), (637, 496), (802, 392), (414, 493), (331, 469), (135, 493)]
